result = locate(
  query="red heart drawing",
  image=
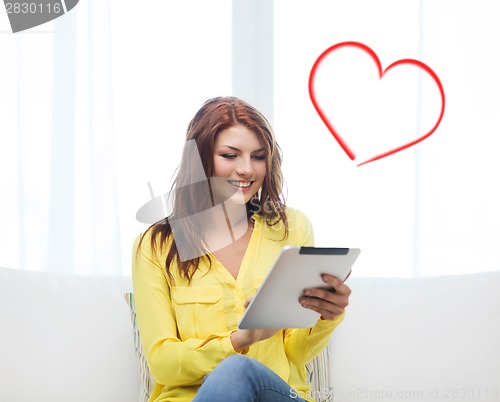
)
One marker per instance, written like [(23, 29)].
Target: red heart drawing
[(374, 57)]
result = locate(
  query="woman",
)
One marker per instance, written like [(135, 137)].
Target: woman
[(194, 272)]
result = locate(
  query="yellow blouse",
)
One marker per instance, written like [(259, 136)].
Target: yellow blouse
[(185, 330)]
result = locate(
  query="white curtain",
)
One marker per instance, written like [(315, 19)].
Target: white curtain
[(94, 105), (59, 203)]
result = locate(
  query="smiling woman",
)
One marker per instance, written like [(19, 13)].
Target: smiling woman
[(240, 155), (241, 158), (189, 304)]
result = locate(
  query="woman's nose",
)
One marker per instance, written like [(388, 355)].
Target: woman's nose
[(244, 167)]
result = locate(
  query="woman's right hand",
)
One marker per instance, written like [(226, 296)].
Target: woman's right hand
[(244, 338)]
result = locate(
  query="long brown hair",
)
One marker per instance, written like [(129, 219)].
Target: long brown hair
[(214, 116)]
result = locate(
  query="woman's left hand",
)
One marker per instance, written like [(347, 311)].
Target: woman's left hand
[(330, 303)]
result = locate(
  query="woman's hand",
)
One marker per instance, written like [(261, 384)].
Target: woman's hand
[(330, 303), (244, 338)]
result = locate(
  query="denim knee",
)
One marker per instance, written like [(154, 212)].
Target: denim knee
[(236, 362), (243, 379)]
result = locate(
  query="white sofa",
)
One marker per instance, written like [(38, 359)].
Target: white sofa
[(69, 338)]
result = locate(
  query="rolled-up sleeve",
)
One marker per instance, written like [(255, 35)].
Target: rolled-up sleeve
[(304, 344)]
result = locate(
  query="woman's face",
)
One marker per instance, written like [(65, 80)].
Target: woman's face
[(239, 158)]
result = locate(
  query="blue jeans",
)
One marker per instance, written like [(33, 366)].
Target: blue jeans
[(242, 379)]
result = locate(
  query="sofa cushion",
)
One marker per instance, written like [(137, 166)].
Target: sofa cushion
[(65, 338), (419, 340)]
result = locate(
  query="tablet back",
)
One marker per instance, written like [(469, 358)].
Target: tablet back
[(276, 305)]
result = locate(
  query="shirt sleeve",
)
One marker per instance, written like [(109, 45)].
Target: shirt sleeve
[(304, 344), (171, 361)]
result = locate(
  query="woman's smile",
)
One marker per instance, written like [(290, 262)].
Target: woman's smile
[(243, 185)]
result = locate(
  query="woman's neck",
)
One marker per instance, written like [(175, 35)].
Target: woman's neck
[(225, 224)]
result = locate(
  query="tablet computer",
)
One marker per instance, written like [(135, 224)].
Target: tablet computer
[(276, 302)]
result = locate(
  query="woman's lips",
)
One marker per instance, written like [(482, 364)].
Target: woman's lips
[(241, 185)]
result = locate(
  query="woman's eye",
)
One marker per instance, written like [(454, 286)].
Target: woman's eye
[(228, 156), (259, 157)]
